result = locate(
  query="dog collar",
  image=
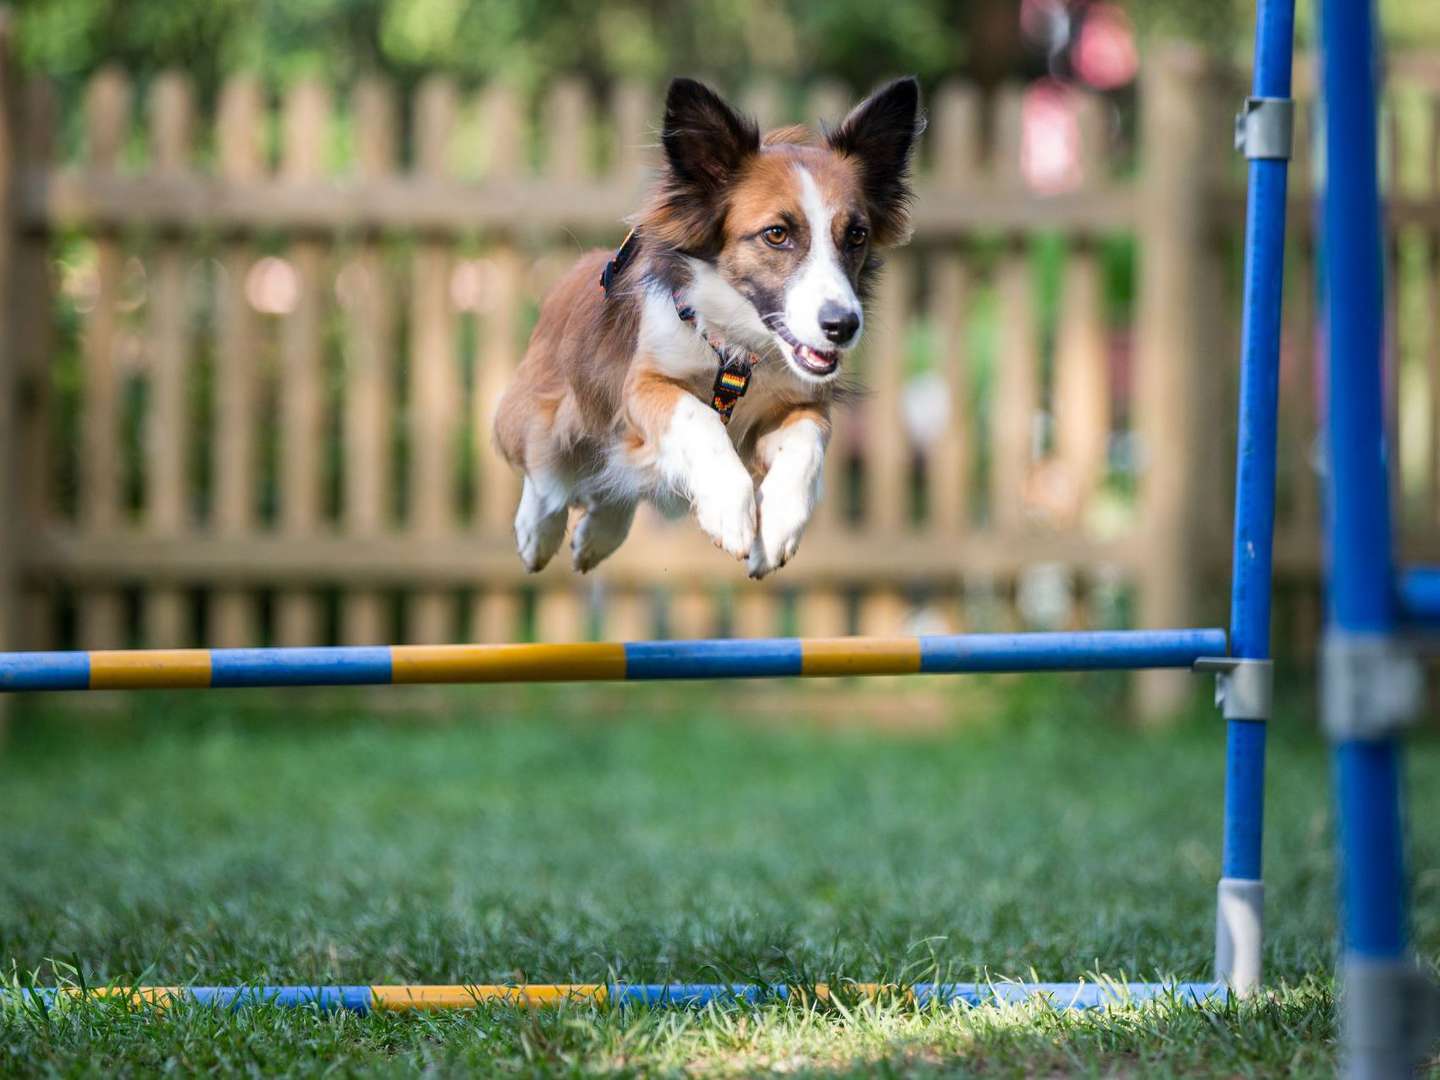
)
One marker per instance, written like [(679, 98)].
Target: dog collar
[(732, 376)]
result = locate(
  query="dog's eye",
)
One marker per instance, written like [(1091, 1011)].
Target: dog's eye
[(776, 235), (856, 235)]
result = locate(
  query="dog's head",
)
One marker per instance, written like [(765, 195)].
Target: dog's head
[(782, 231)]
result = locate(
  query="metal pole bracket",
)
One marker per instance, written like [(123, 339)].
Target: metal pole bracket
[(1371, 686), (1244, 689), (1264, 128)]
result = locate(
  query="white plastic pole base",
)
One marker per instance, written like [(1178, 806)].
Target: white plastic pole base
[(1387, 1018), (1239, 934)]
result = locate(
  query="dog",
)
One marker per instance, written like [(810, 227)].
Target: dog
[(697, 366)]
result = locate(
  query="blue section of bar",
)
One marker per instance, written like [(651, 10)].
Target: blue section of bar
[(328, 998), (1367, 780), (1069, 995), (343, 666), (1420, 595), (1244, 798), (718, 659), (1102, 650), (44, 671)]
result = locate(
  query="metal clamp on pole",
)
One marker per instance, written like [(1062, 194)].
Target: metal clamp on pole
[(1244, 689), (1371, 686), (1264, 128)]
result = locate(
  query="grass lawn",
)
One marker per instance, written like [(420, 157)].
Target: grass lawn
[(992, 828)]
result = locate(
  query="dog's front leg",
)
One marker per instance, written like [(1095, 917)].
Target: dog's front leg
[(695, 457), (793, 456)]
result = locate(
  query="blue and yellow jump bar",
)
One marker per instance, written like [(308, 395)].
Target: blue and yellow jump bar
[(752, 658), (366, 999)]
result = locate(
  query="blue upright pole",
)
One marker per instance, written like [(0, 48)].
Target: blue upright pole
[(1366, 676), (1265, 127)]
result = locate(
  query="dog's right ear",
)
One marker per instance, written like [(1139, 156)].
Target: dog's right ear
[(706, 141)]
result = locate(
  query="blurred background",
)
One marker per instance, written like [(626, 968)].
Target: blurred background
[(270, 268)]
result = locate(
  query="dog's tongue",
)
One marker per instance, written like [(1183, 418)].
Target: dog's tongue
[(818, 362)]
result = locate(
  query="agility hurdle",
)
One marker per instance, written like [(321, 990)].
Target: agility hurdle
[(1239, 658), (368, 999), (1366, 670), (745, 658)]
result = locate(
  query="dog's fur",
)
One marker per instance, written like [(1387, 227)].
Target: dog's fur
[(764, 239)]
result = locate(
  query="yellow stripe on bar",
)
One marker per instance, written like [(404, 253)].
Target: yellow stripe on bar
[(860, 656), (112, 669), (132, 995), (465, 997), (507, 663)]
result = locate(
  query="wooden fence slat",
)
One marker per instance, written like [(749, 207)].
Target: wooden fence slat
[(755, 611), (369, 345), (627, 615), (107, 121), (562, 613), (240, 120), (955, 138), (495, 614), (567, 118), (435, 392), (305, 123), (1082, 395), (822, 612), (499, 346), (1173, 324), (1012, 423), (637, 124), (692, 613), (167, 444)]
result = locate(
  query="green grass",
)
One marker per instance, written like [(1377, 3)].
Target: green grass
[(654, 834)]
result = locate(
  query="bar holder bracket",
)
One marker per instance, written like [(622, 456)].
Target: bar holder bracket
[(1264, 128), (1244, 689), (1371, 686)]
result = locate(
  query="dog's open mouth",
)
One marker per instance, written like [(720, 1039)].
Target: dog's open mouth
[(807, 359)]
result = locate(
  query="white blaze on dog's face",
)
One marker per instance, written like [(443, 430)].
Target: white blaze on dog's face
[(787, 226)]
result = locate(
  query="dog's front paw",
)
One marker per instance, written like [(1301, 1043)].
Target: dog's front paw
[(727, 513), (782, 521)]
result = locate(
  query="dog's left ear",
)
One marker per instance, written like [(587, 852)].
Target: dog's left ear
[(880, 133)]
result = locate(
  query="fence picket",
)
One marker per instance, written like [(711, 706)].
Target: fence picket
[(369, 348), (107, 121), (1082, 393), (240, 121), (306, 122), (435, 388), (956, 142), (167, 444)]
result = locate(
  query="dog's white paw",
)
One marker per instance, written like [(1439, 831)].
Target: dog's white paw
[(600, 532), (726, 511), (538, 539), (782, 522)]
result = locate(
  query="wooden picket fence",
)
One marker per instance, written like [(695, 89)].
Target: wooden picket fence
[(254, 354)]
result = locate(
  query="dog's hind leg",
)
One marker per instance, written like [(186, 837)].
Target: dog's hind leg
[(540, 521), (602, 530)]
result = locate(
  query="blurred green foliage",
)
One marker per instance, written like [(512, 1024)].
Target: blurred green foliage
[(527, 42), (520, 40)]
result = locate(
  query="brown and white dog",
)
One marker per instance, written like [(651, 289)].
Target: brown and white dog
[(752, 254)]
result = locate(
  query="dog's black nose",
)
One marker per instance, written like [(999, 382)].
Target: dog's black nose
[(838, 322)]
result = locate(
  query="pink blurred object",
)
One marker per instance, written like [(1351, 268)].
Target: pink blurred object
[(1104, 55), (1049, 138)]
